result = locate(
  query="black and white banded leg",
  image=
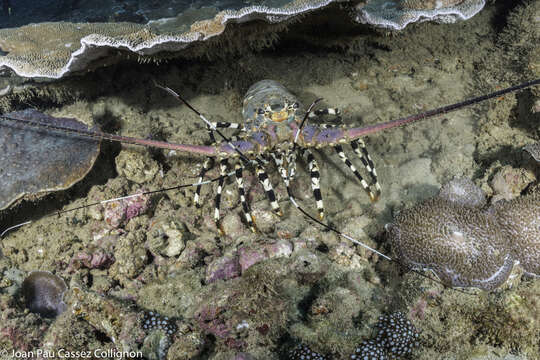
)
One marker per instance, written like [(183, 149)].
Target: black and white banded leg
[(209, 162), (315, 181), (278, 159), (223, 125), (268, 189), (360, 149), (240, 183), (328, 111), (207, 165), (291, 164), (222, 172), (350, 165)]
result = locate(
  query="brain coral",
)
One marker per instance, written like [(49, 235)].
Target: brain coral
[(462, 245), (468, 246), (520, 219), (534, 150)]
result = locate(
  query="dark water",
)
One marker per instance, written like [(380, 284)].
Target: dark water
[(16, 13)]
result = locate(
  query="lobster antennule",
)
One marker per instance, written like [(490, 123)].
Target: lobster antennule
[(356, 133)]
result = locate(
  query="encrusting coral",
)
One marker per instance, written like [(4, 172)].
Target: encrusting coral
[(468, 246)]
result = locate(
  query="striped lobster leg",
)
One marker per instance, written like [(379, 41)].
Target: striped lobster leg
[(359, 147), (223, 171), (315, 181), (350, 165), (328, 111), (223, 125), (268, 189), (208, 164), (278, 159), (240, 183)]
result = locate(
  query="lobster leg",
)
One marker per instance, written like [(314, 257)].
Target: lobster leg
[(328, 111), (278, 159), (315, 181), (223, 171), (347, 162), (291, 164), (240, 183), (268, 189), (208, 163), (223, 125), (360, 149)]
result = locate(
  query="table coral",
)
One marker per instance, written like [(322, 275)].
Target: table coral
[(55, 49), (396, 15)]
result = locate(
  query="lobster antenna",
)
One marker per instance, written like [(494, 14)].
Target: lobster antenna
[(102, 202), (305, 119), (359, 132), (98, 135)]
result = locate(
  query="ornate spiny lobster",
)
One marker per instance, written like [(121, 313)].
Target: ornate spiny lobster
[(275, 130)]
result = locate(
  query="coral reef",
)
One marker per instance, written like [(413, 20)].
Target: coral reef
[(320, 290), (396, 14), (44, 293), (468, 246)]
